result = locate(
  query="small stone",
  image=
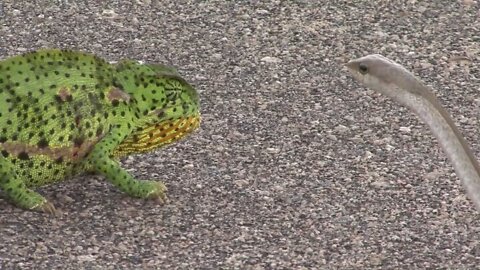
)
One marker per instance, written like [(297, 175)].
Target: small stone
[(341, 129), (273, 150), (237, 69), (262, 11), (332, 137), (269, 59), (241, 183), (405, 129), (109, 13)]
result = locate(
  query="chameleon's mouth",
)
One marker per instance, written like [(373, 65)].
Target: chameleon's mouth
[(155, 136)]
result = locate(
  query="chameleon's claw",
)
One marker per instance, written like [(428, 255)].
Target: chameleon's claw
[(162, 199), (158, 193), (46, 207)]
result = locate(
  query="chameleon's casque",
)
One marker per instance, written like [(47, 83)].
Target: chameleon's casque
[(64, 113)]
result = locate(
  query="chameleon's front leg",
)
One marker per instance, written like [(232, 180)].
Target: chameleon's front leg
[(18, 193), (100, 161)]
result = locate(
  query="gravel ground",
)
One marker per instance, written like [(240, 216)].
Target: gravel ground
[(295, 167)]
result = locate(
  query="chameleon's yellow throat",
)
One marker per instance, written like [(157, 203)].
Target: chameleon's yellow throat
[(155, 136)]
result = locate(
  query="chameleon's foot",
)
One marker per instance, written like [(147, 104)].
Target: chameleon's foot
[(157, 192), (31, 200), (152, 190), (46, 207)]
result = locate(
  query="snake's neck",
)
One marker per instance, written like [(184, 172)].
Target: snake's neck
[(453, 143)]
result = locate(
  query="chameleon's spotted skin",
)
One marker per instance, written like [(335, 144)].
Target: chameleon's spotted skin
[(65, 112)]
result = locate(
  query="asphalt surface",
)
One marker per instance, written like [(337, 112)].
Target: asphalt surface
[(296, 166)]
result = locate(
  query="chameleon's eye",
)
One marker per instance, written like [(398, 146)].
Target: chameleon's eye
[(363, 68)]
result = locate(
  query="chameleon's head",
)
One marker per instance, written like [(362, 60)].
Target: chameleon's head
[(168, 96), (167, 110), (178, 92)]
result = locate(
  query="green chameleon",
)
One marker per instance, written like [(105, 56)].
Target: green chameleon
[(64, 113)]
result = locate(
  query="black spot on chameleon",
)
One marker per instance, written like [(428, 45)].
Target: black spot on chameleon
[(78, 118), (59, 160), (99, 131), (31, 164), (78, 141), (23, 155)]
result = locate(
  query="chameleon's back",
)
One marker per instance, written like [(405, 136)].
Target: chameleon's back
[(51, 110), (52, 95)]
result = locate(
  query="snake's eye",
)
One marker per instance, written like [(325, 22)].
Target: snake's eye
[(363, 68)]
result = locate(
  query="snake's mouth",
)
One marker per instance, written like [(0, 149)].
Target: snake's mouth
[(154, 136)]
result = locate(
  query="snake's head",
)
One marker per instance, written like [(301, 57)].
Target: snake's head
[(387, 77)]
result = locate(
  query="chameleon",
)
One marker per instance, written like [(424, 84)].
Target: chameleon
[(64, 113)]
